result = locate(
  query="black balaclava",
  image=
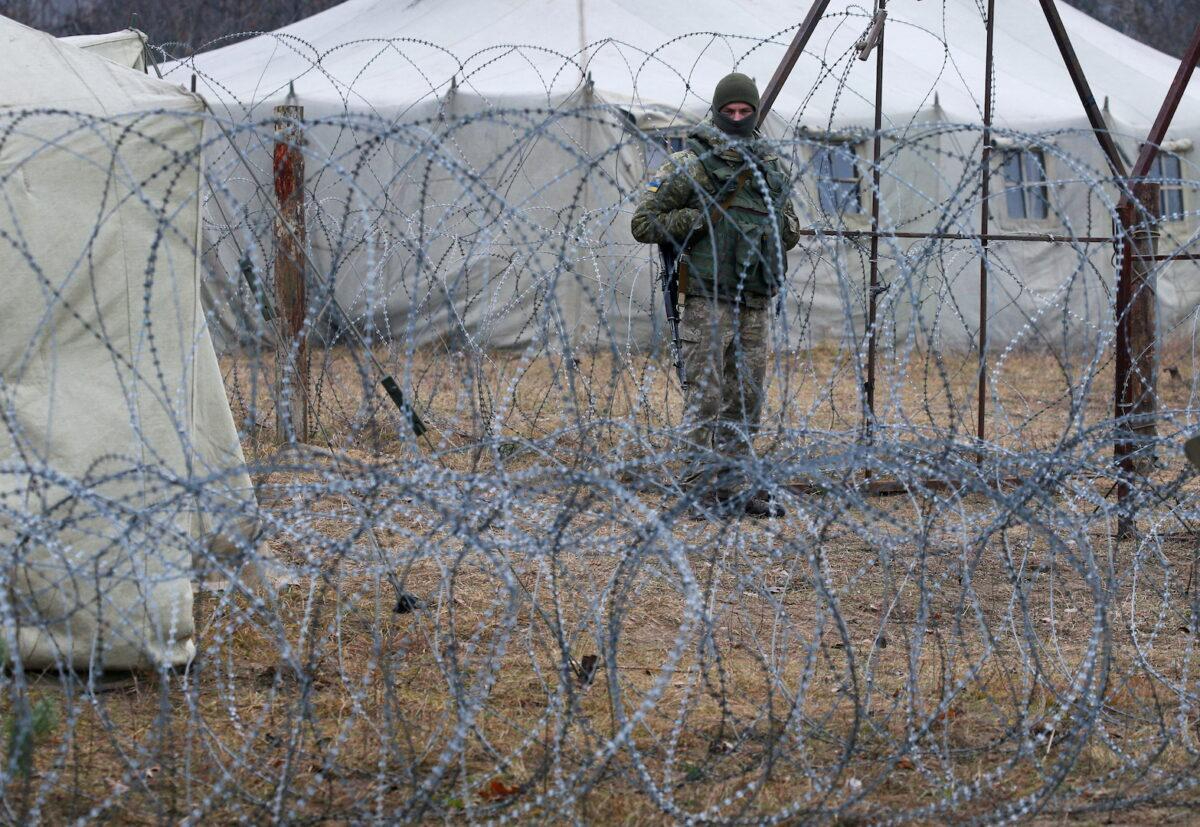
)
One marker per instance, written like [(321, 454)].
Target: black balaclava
[(735, 88)]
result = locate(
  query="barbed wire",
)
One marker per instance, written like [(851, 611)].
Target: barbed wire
[(530, 611)]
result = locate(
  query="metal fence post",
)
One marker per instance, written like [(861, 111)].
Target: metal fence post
[(985, 218), (1135, 342)]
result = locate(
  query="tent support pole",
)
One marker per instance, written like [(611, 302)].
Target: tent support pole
[(803, 34), (985, 188), (291, 374), (1083, 89), (873, 286)]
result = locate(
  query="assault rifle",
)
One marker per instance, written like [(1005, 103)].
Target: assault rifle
[(675, 275), (670, 254)]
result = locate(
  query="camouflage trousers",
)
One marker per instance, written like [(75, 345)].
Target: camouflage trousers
[(725, 366)]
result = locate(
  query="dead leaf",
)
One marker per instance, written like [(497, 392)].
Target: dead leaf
[(497, 790)]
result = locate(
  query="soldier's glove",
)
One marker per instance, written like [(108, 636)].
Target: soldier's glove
[(683, 222)]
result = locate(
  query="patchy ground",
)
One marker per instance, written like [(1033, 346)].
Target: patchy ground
[(589, 650)]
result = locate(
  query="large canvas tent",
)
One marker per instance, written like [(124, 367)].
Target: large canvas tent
[(652, 65), (119, 455), (126, 47)]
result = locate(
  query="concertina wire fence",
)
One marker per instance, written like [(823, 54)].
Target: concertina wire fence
[(522, 614)]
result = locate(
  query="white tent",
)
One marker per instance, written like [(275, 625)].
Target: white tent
[(351, 54), (410, 63), (126, 47), (119, 458)]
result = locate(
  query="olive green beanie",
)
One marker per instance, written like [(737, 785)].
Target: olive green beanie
[(735, 88)]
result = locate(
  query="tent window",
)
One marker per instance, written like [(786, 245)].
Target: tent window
[(1167, 172), (838, 181), (1025, 176), (660, 148)]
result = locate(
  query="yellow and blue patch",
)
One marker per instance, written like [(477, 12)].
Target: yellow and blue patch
[(652, 186)]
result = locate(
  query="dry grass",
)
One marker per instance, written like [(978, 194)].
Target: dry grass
[(861, 658), (511, 395)]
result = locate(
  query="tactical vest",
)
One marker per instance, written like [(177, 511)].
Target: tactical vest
[(736, 255)]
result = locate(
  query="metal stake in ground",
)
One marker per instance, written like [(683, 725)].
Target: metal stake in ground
[(877, 31), (985, 187), (1135, 339), (291, 397), (1142, 393)]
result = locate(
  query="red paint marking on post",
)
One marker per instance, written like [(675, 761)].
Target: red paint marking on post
[(284, 172)]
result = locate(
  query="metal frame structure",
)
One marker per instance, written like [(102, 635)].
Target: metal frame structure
[(1130, 213)]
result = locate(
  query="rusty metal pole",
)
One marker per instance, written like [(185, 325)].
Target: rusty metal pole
[(873, 286), (1040, 238), (1136, 339), (1083, 89), (1143, 320), (1121, 447), (1158, 132), (985, 216), (803, 35), (291, 369)]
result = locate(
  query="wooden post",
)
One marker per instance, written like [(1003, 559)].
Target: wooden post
[(291, 384)]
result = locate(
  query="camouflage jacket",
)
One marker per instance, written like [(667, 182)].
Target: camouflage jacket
[(736, 254)]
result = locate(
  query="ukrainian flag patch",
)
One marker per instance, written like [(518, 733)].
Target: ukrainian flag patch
[(653, 186)]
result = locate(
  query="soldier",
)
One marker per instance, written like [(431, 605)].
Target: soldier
[(722, 203)]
